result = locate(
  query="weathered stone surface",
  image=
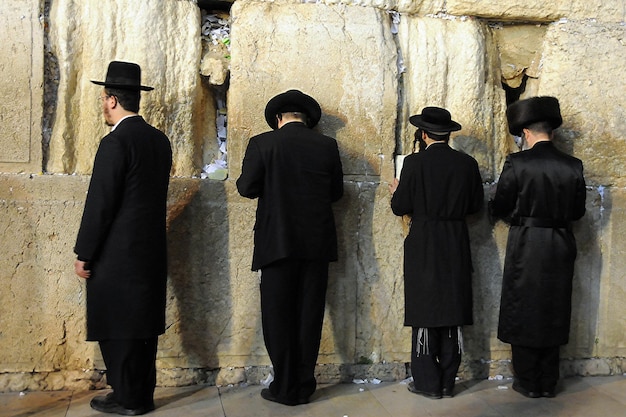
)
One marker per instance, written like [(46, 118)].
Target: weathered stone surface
[(21, 84), (421, 7), (593, 105), (519, 48), (540, 11), (609, 306), (164, 38), (452, 63), (335, 56)]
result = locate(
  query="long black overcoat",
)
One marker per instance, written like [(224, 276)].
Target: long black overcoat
[(296, 174), (543, 187), (123, 233), (438, 187)]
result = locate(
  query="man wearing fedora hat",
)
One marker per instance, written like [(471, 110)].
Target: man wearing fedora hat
[(121, 244), (540, 192), (438, 188), (296, 174)]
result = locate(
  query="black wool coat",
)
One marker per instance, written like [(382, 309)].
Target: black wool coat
[(123, 233), (296, 174), (438, 187), (540, 191)]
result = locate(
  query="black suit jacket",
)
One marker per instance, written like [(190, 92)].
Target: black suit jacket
[(296, 174), (123, 235)]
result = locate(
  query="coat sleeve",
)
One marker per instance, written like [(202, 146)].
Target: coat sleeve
[(503, 203), (103, 198), (478, 193), (337, 175), (402, 199), (581, 195), (250, 182)]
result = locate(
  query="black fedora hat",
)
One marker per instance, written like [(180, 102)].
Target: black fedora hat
[(435, 120), (523, 113), (124, 75), (292, 100)]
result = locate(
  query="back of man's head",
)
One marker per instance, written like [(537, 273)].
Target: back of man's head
[(128, 99)]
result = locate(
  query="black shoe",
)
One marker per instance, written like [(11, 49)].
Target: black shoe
[(548, 394), (447, 392), (431, 395), (267, 395), (530, 394), (106, 404)]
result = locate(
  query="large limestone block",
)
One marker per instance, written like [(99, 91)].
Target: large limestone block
[(421, 7), (343, 56), (580, 66), (42, 302), (213, 314), (164, 38), (519, 48), (610, 308), (21, 86), (379, 255), (540, 11), (452, 63), (589, 273)]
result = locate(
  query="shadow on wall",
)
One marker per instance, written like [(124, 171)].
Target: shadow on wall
[(199, 301), (341, 295), (478, 360)]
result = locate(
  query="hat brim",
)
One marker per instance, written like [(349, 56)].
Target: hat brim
[(293, 100), (124, 86), (418, 121)]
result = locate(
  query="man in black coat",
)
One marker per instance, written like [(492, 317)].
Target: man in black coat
[(438, 188), (296, 175), (540, 192), (121, 244)]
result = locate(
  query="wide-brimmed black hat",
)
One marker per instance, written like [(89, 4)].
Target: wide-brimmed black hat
[(289, 101), (124, 75), (435, 120), (523, 113)]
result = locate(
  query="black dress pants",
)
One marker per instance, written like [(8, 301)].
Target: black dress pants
[(131, 370), (434, 366), (293, 297), (536, 369)]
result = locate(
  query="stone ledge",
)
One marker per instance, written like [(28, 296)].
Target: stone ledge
[(325, 374)]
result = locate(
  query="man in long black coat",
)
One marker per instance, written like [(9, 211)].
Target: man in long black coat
[(121, 244), (438, 188), (541, 190), (296, 175)]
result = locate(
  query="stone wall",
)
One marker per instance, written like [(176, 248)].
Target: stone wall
[(370, 65)]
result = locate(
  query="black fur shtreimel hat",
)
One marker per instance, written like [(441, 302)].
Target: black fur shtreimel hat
[(523, 113)]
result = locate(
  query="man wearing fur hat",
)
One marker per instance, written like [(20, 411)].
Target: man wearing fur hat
[(121, 244), (438, 188), (541, 191), (296, 174)]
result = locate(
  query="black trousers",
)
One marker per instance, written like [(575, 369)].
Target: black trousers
[(435, 365), (131, 370), (536, 369), (293, 298)]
